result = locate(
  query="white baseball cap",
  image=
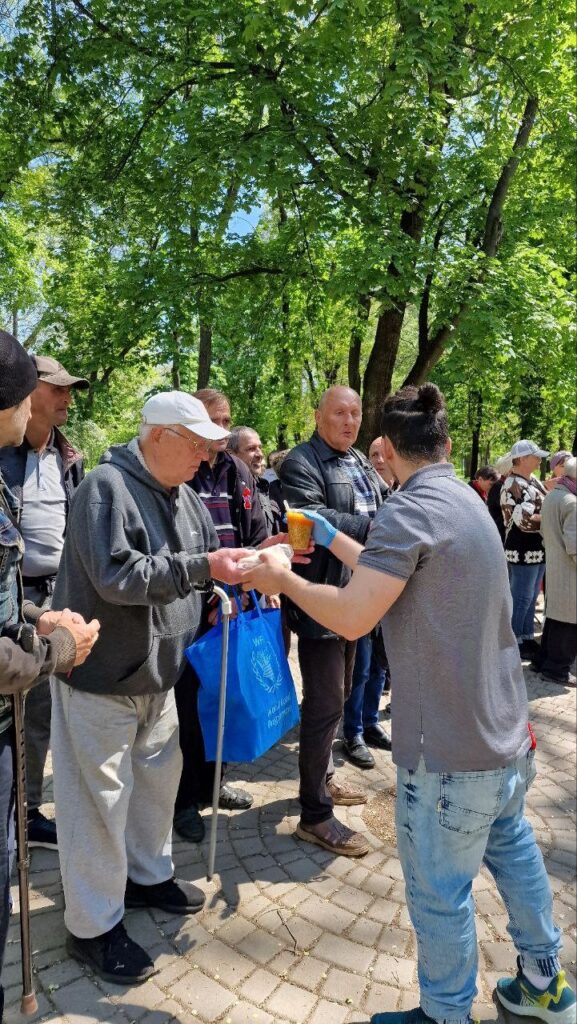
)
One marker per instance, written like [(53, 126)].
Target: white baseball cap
[(504, 464), (177, 408), (521, 448)]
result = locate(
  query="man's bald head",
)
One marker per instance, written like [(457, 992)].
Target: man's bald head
[(378, 461), (338, 417), (337, 392)]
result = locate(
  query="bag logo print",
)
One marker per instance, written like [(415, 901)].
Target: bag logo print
[(265, 665)]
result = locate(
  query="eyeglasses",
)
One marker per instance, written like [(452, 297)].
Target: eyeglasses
[(196, 446)]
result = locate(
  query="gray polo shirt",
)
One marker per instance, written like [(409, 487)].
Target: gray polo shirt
[(43, 520), (458, 693)]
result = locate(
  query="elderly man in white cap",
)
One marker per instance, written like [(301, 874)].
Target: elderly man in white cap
[(521, 500), (137, 546)]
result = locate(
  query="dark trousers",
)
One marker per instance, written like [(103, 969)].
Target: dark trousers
[(37, 711), (558, 648), (327, 671), (197, 779), (6, 840)]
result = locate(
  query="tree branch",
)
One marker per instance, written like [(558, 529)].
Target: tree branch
[(432, 352)]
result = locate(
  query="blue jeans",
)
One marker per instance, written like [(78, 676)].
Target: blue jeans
[(362, 706), (525, 582), (448, 824)]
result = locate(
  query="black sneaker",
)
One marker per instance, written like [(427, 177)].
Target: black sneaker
[(529, 650), (568, 680), (175, 896), (41, 831), (231, 799), (189, 825), (113, 956)]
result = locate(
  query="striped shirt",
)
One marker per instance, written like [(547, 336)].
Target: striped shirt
[(211, 483), (364, 495)]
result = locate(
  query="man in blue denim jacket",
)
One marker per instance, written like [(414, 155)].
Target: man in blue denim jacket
[(46, 642), (433, 570)]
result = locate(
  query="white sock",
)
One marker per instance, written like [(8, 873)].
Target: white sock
[(537, 980)]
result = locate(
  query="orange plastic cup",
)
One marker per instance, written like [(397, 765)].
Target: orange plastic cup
[(299, 530)]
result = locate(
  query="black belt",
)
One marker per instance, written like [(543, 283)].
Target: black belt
[(43, 583)]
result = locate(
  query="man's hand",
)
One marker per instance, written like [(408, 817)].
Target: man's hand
[(282, 538), (266, 577), (223, 565), (85, 636), (49, 620)]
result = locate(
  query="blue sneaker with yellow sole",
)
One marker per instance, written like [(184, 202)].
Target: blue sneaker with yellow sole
[(555, 1005)]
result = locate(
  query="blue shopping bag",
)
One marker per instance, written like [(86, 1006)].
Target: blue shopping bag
[(261, 702)]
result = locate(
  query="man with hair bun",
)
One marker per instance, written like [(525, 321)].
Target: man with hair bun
[(462, 742)]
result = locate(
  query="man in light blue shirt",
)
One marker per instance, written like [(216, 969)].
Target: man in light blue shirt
[(43, 473)]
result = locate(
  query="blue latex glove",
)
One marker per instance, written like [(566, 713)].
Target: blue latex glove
[(323, 532)]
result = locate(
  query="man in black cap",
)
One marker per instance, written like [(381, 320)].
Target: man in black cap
[(48, 641), (43, 474)]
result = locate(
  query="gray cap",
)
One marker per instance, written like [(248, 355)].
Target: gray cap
[(521, 448), (53, 372)]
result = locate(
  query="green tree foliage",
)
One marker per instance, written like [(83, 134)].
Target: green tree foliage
[(278, 196)]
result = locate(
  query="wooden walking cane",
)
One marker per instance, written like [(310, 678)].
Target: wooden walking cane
[(28, 1004)]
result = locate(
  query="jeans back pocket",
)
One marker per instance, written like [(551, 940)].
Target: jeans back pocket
[(470, 800)]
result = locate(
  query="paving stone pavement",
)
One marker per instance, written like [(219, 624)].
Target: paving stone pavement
[(291, 933)]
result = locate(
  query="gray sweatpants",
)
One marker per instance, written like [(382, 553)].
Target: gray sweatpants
[(117, 764)]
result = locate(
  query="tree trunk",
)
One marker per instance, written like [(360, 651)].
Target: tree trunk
[(476, 434), (175, 370), (358, 333), (379, 372), (204, 355)]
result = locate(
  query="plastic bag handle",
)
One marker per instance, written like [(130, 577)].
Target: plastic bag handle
[(236, 593)]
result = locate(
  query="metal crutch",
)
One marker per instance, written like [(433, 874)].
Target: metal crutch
[(226, 613), (28, 1004)]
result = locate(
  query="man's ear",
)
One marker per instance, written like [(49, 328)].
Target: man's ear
[(317, 416), (449, 446), (388, 450)]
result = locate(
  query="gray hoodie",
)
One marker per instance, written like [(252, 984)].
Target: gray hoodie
[(132, 554)]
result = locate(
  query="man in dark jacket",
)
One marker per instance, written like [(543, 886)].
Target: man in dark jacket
[(227, 489), (45, 642), (43, 473), (328, 475), (245, 443)]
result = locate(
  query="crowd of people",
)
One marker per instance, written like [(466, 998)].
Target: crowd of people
[(105, 581)]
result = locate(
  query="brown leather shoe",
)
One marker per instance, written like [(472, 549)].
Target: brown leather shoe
[(334, 836), (344, 795)]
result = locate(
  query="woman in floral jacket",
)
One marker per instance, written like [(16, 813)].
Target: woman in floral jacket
[(521, 499)]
